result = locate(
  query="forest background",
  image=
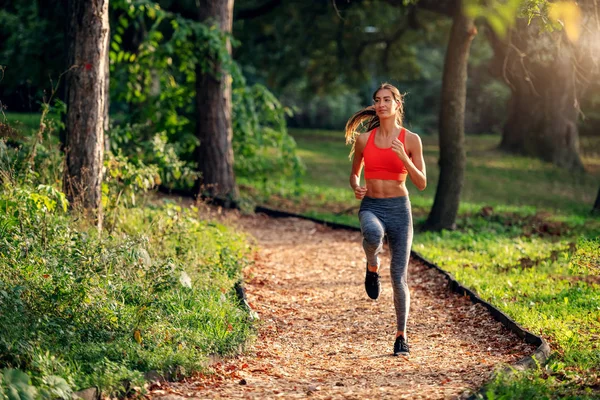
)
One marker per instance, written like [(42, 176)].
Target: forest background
[(503, 94)]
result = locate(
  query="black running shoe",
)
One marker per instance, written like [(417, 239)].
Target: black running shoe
[(401, 347), (372, 285)]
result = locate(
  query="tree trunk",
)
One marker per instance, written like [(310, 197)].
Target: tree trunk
[(542, 111), (86, 96), (451, 126), (106, 124), (213, 127), (596, 209)]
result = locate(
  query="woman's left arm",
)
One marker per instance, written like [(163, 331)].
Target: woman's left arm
[(412, 157)]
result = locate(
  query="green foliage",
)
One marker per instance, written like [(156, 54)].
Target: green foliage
[(157, 80), (17, 385), (552, 15), (158, 75), (261, 144), (137, 145), (501, 15), (45, 199), (123, 181), (14, 385)]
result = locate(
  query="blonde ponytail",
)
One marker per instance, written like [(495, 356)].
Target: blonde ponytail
[(366, 114)]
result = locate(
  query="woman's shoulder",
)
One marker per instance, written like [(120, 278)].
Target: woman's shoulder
[(411, 135), (412, 139), (363, 137)]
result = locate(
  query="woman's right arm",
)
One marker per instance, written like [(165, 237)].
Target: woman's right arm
[(357, 164)]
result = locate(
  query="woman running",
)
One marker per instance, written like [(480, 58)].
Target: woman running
[(389, 153)]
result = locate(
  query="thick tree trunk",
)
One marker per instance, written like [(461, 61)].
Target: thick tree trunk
[(86, 96), (451, 126), (213, 127), (542, 111)]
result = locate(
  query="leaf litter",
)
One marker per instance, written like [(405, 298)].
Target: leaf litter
[(320, 336)]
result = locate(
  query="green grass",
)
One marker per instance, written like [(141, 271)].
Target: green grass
[(522, 252), (23, 122)]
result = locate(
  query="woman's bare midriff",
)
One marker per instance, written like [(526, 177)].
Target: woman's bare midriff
[(383, 189)]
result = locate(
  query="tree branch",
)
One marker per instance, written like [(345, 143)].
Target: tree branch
[(388, 40)]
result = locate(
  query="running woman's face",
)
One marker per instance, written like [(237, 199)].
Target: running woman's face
[(385, 104)]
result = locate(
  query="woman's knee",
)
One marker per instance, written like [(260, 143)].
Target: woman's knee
[(400, 282), (372, 235), (399, 276)]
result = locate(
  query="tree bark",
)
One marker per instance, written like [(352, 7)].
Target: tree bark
[(213, 127), (451, 125), (106, 121), (86, 95), (542, 111)]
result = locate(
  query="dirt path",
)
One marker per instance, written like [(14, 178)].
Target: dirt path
[(321, 336)]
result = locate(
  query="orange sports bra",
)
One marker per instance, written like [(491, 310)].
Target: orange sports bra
[(383, 163)]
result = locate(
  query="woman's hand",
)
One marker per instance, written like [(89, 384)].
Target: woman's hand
[(360, 192), (398, 148)]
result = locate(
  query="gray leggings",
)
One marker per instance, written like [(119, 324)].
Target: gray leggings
[(392, 217)]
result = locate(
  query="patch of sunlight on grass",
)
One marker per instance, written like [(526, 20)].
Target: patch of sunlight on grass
[(317, 134), (314, 156), (430, 149), (510, 164), (592, 164)]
